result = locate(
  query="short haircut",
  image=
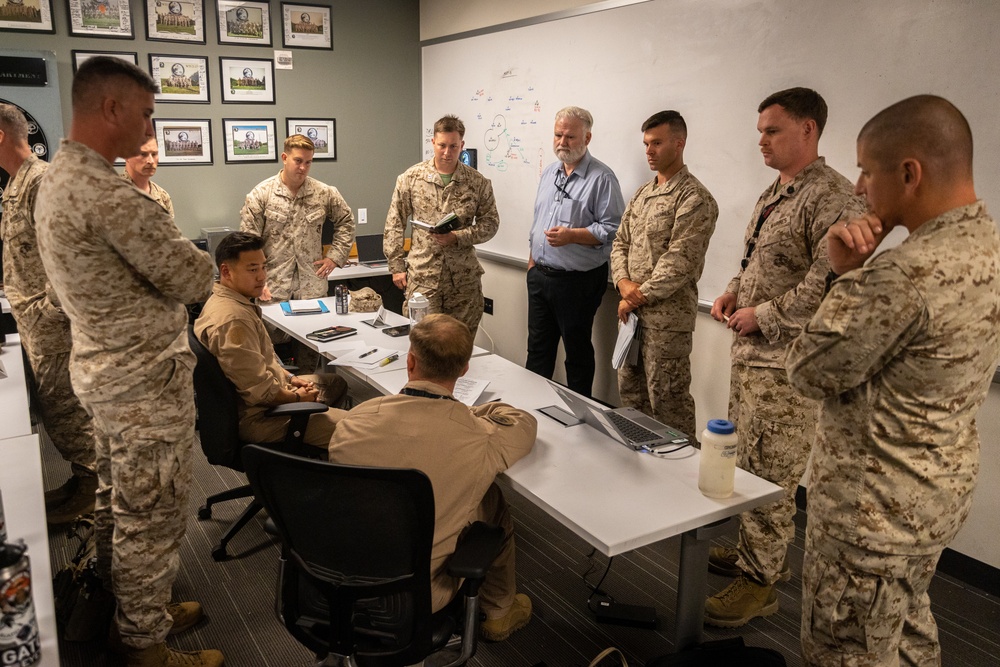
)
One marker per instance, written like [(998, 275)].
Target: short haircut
[(442, 346), (13, 122), (298, 141), (800, 103), (671, 118), (233, 245), (450, 124), (100, 75), (579, 114), (926, 127)]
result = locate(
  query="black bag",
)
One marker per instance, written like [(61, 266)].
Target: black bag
[(722, 652), (83, 607)]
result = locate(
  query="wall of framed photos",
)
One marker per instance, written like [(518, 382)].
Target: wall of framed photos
[(357, 94)]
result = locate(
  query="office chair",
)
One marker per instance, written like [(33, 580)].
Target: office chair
[(354, 582), (218, 428)]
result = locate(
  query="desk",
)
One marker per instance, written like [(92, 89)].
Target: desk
[(14, 418), (357, 271)]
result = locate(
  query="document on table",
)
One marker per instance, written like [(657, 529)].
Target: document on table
[(468, 390), (627, 345), (370, 359)]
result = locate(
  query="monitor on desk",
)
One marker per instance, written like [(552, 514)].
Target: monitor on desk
[(370, 251)]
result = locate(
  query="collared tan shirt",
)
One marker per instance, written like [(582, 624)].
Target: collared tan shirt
[(43, 325), (230, 326), (460, 449), (902, 352), (786, 273), (292, 229), (661, 244), (122, 271), (421, 194), (157, 193)]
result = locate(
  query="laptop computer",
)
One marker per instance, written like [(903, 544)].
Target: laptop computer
[(626, 425), (370, 251)]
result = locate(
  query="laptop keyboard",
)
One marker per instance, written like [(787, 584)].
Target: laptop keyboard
[(630, 429)]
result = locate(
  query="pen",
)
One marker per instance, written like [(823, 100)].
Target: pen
[(388, 360), (725, 317), (371, 351)]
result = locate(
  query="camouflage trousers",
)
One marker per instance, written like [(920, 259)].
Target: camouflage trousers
[(865, 609), (458, 295), (66, 421), (659, 384), (255, 427), (775, 428), (144, 445)]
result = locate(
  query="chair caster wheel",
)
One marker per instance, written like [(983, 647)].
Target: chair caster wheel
[(219, 554), (204, 513)]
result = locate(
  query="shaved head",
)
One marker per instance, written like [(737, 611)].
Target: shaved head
[(101, 77), (925, 127)]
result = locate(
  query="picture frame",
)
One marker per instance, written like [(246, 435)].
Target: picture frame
[(184, 141), (322, 132), (80, 56), (109, 18), (27, 16), (180, 79), (244, 22), (247, 80), (306, 26), (250, 139), (175, 21)]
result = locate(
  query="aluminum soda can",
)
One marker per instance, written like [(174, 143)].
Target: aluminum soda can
[(20, 644), (340, 299)]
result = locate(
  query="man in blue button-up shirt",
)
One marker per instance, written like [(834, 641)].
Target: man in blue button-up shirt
[(577, 211)]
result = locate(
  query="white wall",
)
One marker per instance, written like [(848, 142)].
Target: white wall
[(439, 18)]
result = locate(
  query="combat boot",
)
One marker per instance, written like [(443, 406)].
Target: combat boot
[(184, 614), (498, 629), (722, 561), (738, 603), (159, 655), (57, 496), (81, 502)]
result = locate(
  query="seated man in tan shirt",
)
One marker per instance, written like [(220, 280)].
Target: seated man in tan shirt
[(230, 326), (460, 449)]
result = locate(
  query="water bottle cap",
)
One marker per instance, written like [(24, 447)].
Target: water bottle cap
[(721, 426)]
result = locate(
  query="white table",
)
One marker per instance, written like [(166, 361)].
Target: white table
[(357, 271), (14, 418)]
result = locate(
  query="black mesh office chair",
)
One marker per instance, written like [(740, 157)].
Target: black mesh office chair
[(218, 429), (354, 585)]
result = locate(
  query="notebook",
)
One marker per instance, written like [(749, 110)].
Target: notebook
[(626, 425), (370, 252)]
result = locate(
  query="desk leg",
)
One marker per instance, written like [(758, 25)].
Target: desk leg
[(692, 582)]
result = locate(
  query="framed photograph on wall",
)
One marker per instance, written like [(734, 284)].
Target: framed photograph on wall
[(180, 78), (183, 141), (176, 21), (250, 140), (321, 131), (27, 16), (306, 26), (247, 80), (107, 18), (244, 22), (80, 57)]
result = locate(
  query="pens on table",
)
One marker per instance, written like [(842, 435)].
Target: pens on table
[(371, 351), (389, 360)]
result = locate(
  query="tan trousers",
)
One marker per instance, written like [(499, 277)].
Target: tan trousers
[(255, 427)]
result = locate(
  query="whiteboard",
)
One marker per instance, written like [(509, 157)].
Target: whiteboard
[(713, 61)]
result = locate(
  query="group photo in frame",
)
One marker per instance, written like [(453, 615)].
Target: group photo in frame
[(107, 18), (26, 16), (176, 21), (244, 22), (321, 131), (80, 57), (180, 78), (183, 140), (247, 80), (250, 140), (306, 26)]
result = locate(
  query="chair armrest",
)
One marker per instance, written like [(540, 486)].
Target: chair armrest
[(476, 550), (291, 409), (298, 414)]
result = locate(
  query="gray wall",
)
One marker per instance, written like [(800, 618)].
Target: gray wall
[(370, 83)]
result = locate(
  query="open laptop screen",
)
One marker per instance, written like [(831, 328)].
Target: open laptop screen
[(370, 249)]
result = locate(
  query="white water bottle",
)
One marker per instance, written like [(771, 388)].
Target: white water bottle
[(418, 307), (718, 459)]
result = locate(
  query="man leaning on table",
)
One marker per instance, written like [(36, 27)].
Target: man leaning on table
[(230, 326), (460, 449)]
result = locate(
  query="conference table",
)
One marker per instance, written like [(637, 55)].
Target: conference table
[(612, 497)]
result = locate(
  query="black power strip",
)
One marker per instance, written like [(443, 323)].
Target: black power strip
[(635, 616)]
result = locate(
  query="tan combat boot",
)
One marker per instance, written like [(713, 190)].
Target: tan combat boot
[(158, 655), (80, 502), (738, 603)]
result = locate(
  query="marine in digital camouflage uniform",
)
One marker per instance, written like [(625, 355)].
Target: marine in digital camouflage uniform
[(123, 273), (901, 353), (41, 323), (777, 290), (141, 168), (442, 267), (656, 261)]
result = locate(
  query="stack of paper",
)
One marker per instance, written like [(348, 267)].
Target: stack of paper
[(304, 306), (627, 345)]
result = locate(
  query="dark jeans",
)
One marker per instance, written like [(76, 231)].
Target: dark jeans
[(562, 304)]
